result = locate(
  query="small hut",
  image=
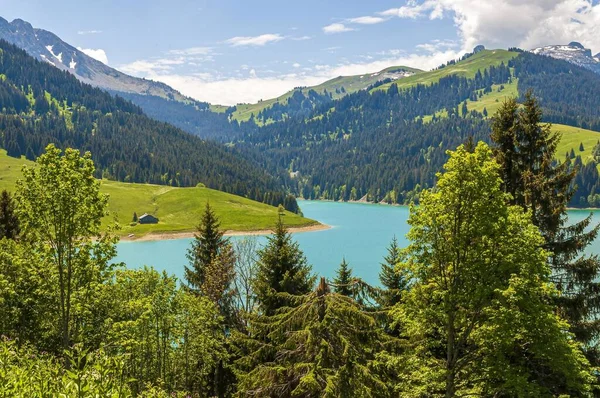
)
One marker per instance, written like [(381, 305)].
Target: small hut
[(147, 219)]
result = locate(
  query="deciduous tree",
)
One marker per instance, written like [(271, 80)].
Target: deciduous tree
[(477, 317)]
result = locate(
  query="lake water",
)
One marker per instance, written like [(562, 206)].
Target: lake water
[(360, 232)]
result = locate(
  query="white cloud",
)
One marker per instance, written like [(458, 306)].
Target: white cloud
[(89, 32), (505, 23), (192, 51), (146, 67), (296, 65), (251, 86), (368, 20), (336, 28), (98, 54), (301, 38), (254, 40)]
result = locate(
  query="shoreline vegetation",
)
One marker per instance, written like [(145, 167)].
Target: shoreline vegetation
[(157, 236)]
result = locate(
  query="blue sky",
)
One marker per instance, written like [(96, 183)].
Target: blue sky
[(241, 51)]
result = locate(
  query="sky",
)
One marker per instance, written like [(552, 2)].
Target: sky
[(228, 52)]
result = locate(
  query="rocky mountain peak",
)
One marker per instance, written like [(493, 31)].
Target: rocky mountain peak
[(574, 53)]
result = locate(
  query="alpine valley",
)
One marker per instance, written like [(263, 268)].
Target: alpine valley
[(377, 137)]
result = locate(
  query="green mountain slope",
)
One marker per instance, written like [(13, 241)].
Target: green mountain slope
[(387, 145), (336, 88), (178, 209), (466, 68)]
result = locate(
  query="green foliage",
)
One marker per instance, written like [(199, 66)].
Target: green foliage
[(392, 280), (526, 149), (342, 284), (170, 337), (9, 223), (207, 245), (26, 373), (282, 268), (323, 346), (60, 208), (476, 316)]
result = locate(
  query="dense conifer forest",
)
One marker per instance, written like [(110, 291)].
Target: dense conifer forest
[(42, 105), (388, 145)]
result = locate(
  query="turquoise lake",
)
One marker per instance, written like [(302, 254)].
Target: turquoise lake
[(360, 232)]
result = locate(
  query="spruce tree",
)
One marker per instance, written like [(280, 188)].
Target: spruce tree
[(527, 147), (342, 284), (282, 268), (392, 281), (9, 223), (208, 243), (324, 346)]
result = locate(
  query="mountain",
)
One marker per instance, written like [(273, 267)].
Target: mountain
[(41, 104), (574, 53), (158, 100), (47, 47), (331, 89), (388, 142)]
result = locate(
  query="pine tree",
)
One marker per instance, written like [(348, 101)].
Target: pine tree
[(282, 268), (545, 188), (342, 284), (9, 223), (392, 281), (324, 346), (208, 243), (581, 149), (135, 217)]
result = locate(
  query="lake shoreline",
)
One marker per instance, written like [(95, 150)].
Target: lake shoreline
[(186, 235)]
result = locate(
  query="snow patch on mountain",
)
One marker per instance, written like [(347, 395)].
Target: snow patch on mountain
[(59, 56), (574, 53)]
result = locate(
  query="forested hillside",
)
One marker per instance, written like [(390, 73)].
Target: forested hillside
[(387, 143), (41, 105)]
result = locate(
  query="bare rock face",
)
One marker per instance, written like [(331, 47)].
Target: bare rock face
[(47, 47)]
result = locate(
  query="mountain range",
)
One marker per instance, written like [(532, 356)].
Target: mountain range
[(381, 136), (156, 99)]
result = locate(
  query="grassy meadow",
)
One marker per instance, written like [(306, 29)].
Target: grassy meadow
[(178, 209)]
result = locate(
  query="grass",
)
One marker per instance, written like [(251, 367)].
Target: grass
[(218, 108), (572, 137), (467, 68), (352, 84), (493, 101), (178, 209)]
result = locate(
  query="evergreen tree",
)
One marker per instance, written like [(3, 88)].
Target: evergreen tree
[(135, 217), (504, 136), (324, 346), (282, 268), (208, 243), (581, 149), (477, 318), (9, 223), (545, 188), (464, 109), (342, 284), (393, 282)]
